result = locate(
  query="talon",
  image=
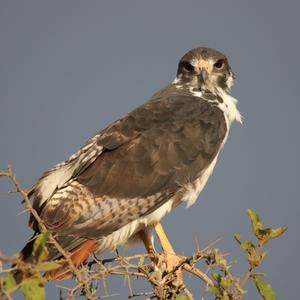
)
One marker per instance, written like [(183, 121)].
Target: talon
[(171, 258)]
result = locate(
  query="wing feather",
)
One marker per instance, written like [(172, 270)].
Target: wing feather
[(132, 167)]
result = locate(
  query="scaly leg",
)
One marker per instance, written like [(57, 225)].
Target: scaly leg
[(171, 258)]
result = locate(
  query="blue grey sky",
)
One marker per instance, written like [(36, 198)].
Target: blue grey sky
[(68, 68)]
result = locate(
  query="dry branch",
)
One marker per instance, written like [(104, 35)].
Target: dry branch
[(217, 279)]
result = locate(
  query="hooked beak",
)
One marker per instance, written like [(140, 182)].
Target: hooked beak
[(203, 74), (203, 67)]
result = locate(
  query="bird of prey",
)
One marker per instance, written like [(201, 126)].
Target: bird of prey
[(125, 179)]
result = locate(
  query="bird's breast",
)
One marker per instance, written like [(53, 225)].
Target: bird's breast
[(194, 189)]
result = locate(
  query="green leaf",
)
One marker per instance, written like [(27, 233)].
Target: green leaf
[(216, 276), (141, 261), (275, 233), (263, 235), (266, 234), (255, 220), (264, 288), (47, 266), (182, 297), (253, 256), (214, 290), (246, 245), (39, 250), (225, 282), (9, 282), (33, 289)]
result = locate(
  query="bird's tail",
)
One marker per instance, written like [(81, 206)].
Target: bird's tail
[(78, 255), (27, 256)]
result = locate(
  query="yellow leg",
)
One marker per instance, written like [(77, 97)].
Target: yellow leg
[(164, 241), (172, 259)]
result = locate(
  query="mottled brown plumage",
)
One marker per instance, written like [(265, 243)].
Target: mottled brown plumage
[(155, 150), (152, 159)]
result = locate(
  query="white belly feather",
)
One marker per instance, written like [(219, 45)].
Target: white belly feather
[(122, 235)]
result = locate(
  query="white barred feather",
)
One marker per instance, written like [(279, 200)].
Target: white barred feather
[(59, 175)]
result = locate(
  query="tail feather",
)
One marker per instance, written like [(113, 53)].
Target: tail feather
[(26, 256), (26, 252), (79, 256)]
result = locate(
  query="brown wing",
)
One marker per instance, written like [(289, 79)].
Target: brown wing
[(147, 157)]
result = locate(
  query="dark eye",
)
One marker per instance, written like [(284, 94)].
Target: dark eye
[(219, 64), (188, 67)]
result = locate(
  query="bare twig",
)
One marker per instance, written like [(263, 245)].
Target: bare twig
[(82, 282)]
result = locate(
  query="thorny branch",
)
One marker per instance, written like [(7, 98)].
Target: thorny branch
[(123, 267), (82, 282), (217, 278)]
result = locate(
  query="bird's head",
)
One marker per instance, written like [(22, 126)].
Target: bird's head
[(204, 69)]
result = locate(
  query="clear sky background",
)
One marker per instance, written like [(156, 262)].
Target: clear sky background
[(68, 68)]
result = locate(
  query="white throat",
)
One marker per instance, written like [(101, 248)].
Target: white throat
[(229, 107)]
